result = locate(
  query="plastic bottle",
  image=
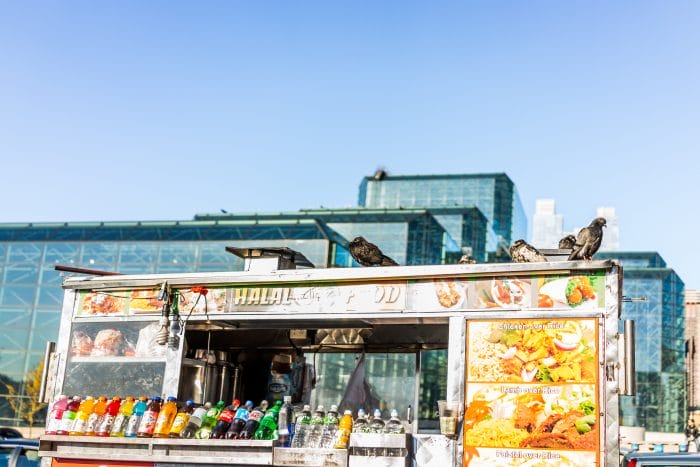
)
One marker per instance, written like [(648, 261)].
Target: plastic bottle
[(313, 439), (96, 416), (360, 425), (267, 428), (69, 416), (81, 418), (344, 429), (209, 421), (330, 428), (54, 418), (289, 408), (223, 423), (195, 421), (254, 418), (301, 427), (239, 421), (122, 420), (166, 417), (181, 420), (150, 416), (377, 425), (137, 412), (283, 428), (394, 425), (107, 422)]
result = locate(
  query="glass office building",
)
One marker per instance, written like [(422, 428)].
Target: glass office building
[(494, 195), (660, 403), (30, 287)]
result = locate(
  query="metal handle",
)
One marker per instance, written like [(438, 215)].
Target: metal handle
[(50, 347), (629, 363)]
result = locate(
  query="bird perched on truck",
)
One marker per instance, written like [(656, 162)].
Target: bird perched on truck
[(588, 240), (567, 243), (369, 254), (523, 252)]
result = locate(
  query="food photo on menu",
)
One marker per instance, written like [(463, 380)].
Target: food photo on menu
[(539, 351)]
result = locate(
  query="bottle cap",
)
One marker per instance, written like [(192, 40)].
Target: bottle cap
[(143, 398), (348, 412), (172, 398), (189, 403), (287, 399), (394, 413), (115, 398), (306, 407), (157, 398), (334, 408), (361, 412), (377, 413)]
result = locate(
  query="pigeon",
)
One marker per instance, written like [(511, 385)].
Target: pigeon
[(369, 254), (567, 243), (588, 240), (523, 252), (466, 259)]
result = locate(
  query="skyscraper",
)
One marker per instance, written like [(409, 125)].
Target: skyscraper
[(547, 225)]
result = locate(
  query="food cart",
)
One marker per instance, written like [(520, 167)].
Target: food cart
[(529, 356)]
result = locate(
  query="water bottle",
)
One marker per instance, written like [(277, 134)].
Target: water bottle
[(239, 421), (330, 428), (394, 427), (195, 421), (313, 440), (301, 427), (377, 425), (290, 417), (361, 425)]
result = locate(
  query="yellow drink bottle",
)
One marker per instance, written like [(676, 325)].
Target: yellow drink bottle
[(81, 418), (165, 419)]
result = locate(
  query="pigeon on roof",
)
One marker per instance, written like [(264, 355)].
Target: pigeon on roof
[(466, 259), (588, 240), (567, 243), (369, 254), (523, 252)]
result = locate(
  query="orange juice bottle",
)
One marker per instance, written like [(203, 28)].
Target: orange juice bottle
[(165, 419), (344, 430), (96, 416), (122, 419), (81, 418)]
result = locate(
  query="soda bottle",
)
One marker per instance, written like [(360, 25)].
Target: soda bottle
[(330, 428), (254, 418), (81, 418), (195, 421), (150, 416), (344, 430), (224, 421), (54, 418), (105, 426), (181, 419), (165, 419), (313, 440), (267, 428), (96, 416), (290, 418), (122, 420), (301, 427), (239, 421), (209, 421), (69, 416), (377, 426), (137, 412)]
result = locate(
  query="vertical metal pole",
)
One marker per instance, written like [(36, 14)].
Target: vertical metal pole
[(630, 366), (50, 347)]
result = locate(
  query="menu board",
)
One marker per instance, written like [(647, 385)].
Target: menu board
[(532, 393)]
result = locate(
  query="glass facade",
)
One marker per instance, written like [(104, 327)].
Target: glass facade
[(493, 194), (30, 288), (660, 403)]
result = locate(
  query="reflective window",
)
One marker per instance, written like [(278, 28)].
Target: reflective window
[(24, 252), (21, 274), (17, 295)]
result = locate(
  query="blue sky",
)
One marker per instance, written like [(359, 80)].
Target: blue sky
[(132, 110)]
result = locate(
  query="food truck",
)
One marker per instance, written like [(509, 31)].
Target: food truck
[(503, 364)]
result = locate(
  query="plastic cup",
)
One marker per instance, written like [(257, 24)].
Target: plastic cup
[(449, 413)]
